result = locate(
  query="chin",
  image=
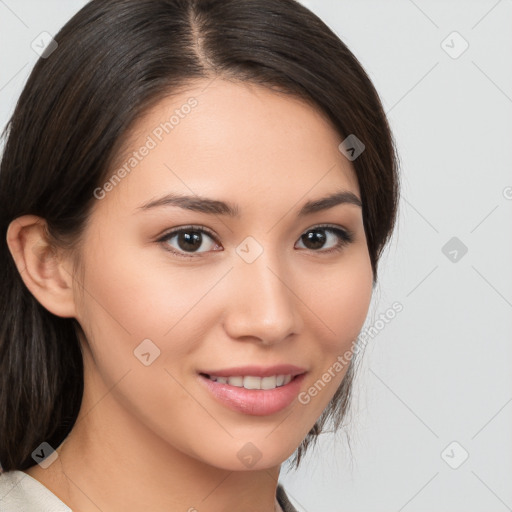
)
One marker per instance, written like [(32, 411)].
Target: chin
[(249, 455)]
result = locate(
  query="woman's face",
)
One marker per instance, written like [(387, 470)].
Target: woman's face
[(256, 283)]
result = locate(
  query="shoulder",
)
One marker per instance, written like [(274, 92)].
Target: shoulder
[(19, 491), (283, 500)]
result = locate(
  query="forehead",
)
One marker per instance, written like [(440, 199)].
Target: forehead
[(226, 138)]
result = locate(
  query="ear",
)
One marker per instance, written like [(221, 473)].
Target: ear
[(40, 265)]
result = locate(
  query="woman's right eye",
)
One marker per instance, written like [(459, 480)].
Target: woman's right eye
[(187, 241)]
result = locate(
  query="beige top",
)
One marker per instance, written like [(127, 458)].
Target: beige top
[(19, 492)]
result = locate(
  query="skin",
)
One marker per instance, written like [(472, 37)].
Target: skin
[(269, 154)]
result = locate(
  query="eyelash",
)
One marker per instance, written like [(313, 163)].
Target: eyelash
[(345, 237)]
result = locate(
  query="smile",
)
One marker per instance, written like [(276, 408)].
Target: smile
[(254, 395)]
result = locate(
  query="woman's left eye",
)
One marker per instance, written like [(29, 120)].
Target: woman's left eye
[(337, 240), (189, 239)]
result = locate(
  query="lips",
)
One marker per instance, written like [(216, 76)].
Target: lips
[(254, 390)]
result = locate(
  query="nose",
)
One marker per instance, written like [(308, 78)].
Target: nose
[(263, 304)]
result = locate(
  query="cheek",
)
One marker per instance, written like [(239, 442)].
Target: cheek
[(340, 298), (127, 301), (128, 298), (141, 297)]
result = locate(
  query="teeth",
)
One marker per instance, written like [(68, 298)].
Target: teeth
[(252, 382), (236, 381), (268, 382)]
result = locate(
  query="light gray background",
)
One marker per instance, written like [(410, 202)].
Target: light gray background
[(440, 371)]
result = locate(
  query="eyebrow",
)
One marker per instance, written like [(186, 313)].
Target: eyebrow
[(214, 207)]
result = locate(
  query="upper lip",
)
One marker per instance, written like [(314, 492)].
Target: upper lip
[(257, 371)]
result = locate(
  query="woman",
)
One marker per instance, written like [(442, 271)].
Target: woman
[(194, 196)]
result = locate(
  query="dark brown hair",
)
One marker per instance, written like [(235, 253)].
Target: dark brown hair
[(115, 60)]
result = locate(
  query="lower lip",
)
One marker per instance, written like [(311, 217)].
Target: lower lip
[(256, 402)]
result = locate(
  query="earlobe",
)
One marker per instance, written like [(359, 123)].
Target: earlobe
[(40, 265)]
